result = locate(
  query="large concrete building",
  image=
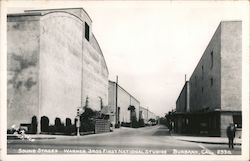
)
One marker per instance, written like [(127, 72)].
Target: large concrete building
[(120, 108), (211, 99), (54, 65), (146, 114)]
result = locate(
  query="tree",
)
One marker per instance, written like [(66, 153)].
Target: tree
[(87, 102), (131, 108), (101, 102), (134, 122), (87, 119)]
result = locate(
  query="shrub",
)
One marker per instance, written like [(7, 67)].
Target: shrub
[(141, 122), (70, 130), (117, 125), (68, 122), (33, 125), (44, 124), (11, 131), (87, 119)]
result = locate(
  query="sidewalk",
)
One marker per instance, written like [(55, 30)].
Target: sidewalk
[(29, 136), (207, 140), (50, 136)]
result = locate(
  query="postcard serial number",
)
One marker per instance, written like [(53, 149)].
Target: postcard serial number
[(224, 152)]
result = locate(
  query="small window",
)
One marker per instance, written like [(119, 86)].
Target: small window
[(86, 31), (202, 89), (211, 82), (202, 72), (237, 119), (212, 59)]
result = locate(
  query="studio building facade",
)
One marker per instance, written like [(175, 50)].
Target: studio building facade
[(122, 104), (146, 115), (211, 99), (54, 65)]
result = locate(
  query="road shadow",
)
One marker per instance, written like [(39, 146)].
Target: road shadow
[(162, 131)]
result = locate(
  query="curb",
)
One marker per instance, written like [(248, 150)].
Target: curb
[(205, 142), (13, 137)]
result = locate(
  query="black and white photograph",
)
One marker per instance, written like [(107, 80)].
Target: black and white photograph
[(124, 80)]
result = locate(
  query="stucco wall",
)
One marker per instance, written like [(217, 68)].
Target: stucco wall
[(60, 68), (225, 93), (151, 115), (111, 101), (147, 114), (64, 53), (124, 100), (95, 77), (231, 66), (47, 55), (135, 103), (22, 69), (209, 99), (144, 114), (182, 102)]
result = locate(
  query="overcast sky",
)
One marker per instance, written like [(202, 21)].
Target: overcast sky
[(152, 47)]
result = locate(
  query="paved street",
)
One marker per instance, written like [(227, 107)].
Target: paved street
[(148, 140)]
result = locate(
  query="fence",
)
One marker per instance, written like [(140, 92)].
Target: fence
[(102, 125)]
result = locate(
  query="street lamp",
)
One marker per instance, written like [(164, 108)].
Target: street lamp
[(78, 121)]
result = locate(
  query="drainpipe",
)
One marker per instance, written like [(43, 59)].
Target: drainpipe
[(116, 96)]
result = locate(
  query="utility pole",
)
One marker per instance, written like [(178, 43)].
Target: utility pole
[(78, 121), (116, 95)]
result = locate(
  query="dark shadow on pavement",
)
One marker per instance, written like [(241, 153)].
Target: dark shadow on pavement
[(162, 131)]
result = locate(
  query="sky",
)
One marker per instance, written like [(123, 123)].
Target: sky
[(152, 45)]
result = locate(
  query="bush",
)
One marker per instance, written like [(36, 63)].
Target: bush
[(87, 119), (51, 129), (11, 131), (44, 124), (59, 126), (70, 130), (68, 122), (141, 122), (87, 126), (118, 125), (57, 122), (33, 125), (134, 122), (126, 124)]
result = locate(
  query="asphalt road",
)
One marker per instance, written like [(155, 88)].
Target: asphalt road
[(148, 140)]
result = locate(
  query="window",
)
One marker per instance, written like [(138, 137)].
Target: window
[(86, 31), (202, 89), (237, 119), (211, 82), (212, 59), (202, 72), (118, 115)]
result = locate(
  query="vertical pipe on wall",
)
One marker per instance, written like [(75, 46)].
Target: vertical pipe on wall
[(116, 95), (82, 70)]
